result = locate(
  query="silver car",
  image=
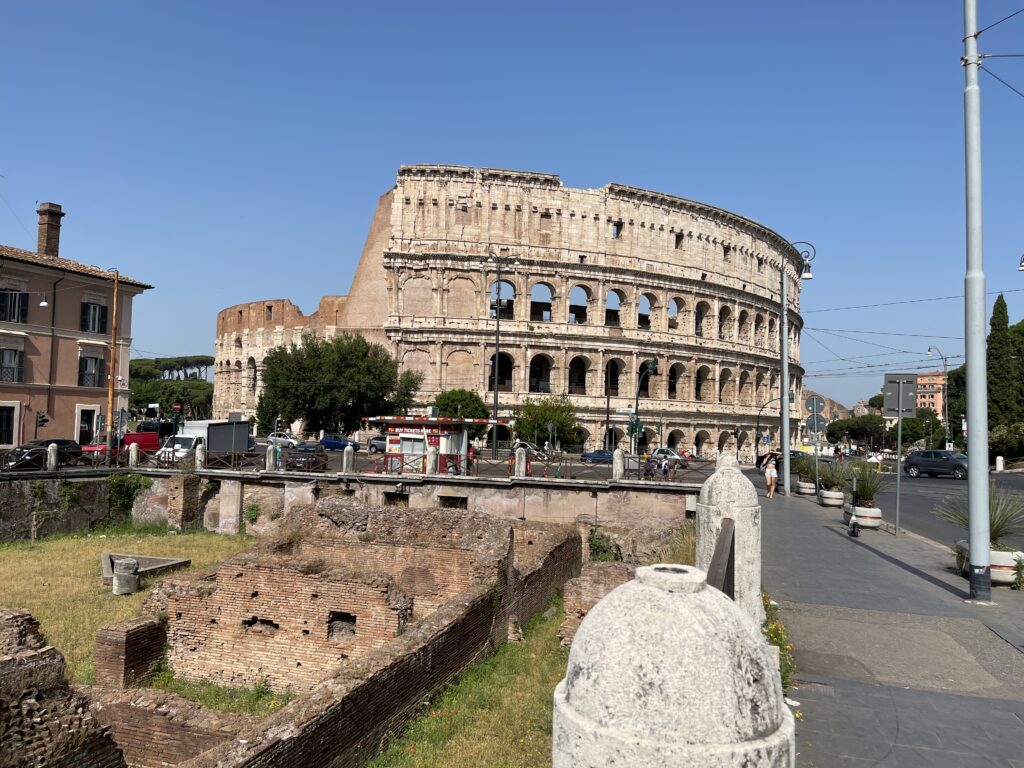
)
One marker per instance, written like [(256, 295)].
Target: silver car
[(284, 439)]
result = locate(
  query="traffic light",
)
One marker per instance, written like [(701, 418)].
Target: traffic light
[(41, 419)]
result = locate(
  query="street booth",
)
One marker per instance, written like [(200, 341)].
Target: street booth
[(409, 437)]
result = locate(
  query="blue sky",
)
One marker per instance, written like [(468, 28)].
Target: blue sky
[(231, 151)]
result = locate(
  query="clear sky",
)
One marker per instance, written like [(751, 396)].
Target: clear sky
[(234, 151)]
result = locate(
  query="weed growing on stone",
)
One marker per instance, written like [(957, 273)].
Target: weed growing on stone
[(252, 513), (259, 700), (775, 631), (601, 549)]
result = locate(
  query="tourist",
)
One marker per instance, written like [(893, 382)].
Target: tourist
[(771, 476)]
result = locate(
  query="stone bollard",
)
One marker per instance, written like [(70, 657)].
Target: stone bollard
[(1000, 464), (201, 456), (520, 462), (728, 493), (51, 457), (348, 460), (133, 455), (431, 460), (618, 464), (271, 458), (666, 670), (126, 576)]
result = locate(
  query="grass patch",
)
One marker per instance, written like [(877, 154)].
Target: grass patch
[(498, 714), (57, 579), (680, 547), (775, 631), (259, 700)]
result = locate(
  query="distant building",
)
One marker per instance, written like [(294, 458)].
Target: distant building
[(56, 317), (931, 391)]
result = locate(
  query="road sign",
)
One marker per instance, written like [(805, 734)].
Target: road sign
[(624, 410), (889, 392), (176, 406), (815, 424), (766, 439), (815, 404)]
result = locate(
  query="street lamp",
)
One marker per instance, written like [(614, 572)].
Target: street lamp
[(945, 404), (112, 377), (650, 368), (806, 257), (1021, 267), (496, 260)]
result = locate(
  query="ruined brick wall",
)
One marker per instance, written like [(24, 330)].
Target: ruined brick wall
[(348, 717), (156, 729), (183, 508), (43, 722), (286, 621), (43, 507), (128, 652), (546, 557), (582, 593), (19, 631)]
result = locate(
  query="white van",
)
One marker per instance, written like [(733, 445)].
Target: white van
[(179, 447)]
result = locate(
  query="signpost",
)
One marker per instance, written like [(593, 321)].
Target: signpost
[(899, 396), (815, 426)]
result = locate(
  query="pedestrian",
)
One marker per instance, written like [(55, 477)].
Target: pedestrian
[(277, 455), (771, 477), (547, 447), (664, 468), (648, 469)]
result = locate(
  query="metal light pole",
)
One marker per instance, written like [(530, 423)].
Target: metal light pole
[(649, 369), (112, 377), (497, 355), (607, 411), (945, 400), (974, 319), (806, 256)]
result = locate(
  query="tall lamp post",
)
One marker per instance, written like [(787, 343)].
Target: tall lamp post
[(650, 368), (945, 404), (112, 377), (806, 256), (496, 260)]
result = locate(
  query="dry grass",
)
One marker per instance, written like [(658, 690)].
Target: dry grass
[(498, 714), (680, 547), (58, 581)]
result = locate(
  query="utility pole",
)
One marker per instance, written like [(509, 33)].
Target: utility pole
[(112, 378), (784, 383), (497, 356), (974, 319)]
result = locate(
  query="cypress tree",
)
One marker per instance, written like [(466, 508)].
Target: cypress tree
[(1005, 389)]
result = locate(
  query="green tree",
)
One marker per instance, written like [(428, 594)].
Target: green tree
[(332, 385), (956, 404), (876, 401), (1005, 389), (455, 403), (861, 429), (532, 417)]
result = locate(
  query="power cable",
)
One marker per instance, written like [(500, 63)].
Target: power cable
[(882, 333), (997, 77), (997, 23), (906, 301)]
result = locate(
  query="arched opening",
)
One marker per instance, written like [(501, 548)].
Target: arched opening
[(702, 385), (540, 303), (676, 310), (503, 300), (744, 446), (725, 329), (648, 440), (702, 319), (676, 440), (645, 307), (540, 374), (676, 376), (250, 378), (504, 434), (612, 308), (759, 331), (726, 386), (746, 389), (772, 341), (614, 438), (579, 303), (238, 344), (773, 387), (505, 366), (645, 372), (726, 443), (761, 389), (612, 373), (702, 445), (578, 368), (743, 325), (584, 440)]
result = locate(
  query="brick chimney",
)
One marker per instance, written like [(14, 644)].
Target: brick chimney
[(50, 215)]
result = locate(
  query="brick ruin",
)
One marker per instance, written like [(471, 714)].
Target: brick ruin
[(362, 611)]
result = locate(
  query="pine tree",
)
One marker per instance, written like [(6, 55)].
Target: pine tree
[(1005, 389)]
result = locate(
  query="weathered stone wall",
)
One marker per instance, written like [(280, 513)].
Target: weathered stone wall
[(286, 621), (42, 507), (128, 652), (546, 557), (582, 593), (157, 729)]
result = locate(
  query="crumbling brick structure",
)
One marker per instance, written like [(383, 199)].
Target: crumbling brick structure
[(583, 593)]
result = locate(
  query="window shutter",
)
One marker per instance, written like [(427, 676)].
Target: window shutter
[(19, 374), (103, 319), (101, 377), (5, 298), (23, 308), (85, 317)]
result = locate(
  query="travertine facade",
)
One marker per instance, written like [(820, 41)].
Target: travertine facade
[(594, 283)]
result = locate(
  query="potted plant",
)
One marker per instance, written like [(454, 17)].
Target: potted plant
[(831, 481), (803, 467), (1005, 518), (869, 482)]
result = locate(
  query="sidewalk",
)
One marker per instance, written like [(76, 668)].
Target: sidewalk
[(893, 667)]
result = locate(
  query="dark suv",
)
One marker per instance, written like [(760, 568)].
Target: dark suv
[(934, 463)]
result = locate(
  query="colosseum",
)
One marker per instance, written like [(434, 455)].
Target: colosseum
[(594, 283)]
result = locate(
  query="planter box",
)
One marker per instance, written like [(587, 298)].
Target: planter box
[(1003, 563), (831, 498), (804, 489), (868, 517)]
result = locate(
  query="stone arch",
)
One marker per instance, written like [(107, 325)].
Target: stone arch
[(542, 297), (506, 366), (417, 296), (580, 299), (702, 446), (726, 442), (644, 381), (584, 440), (507, 300), (743, 327), (460, 371), (676, 313), (746, 389), (613, 301), (744, 445), (773, 386), (613, 370), (615, 438), (702, 320), (579, 369), (250, 374), (540, 374), (759, 331), (648, 439), (726, 386), (676, 440), (726, 329), (761, 389), (417, 360), (703, 385), (677, 382), (238, 345), (462, 298), (772, 333), (647, 306)]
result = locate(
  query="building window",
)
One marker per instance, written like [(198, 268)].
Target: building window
[(94, 317), (680, 239), (6, 425), (90, 372), (270, 311), (12, 366), (14, 306), (617, 227)]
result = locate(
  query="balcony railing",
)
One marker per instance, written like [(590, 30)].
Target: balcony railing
[(12, 374), (87, 379)]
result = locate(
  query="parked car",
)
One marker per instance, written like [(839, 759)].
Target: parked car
[(532, 451), (26, 457), (334, 442), (310, 457), (935, 463), (96, 452), (600, 456), (68, 451), (378, 444), (675, 459), (284, 439), (178, 447)]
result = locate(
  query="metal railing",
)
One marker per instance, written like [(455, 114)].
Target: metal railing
[(722, 570), (235, 460)]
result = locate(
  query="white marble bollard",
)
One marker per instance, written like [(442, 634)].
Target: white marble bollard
[(51, 457), (348, 460), (271, 457), (668, 671), (201, 456), (618, 464), (133, 455), (520, 462), (431, 460)]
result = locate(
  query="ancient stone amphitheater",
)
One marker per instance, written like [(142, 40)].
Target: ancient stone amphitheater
[(594, 283)]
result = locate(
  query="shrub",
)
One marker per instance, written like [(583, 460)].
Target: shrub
[(601, 549), (833, 477), (252, 513), (122, 489), (1005, 513), (803, 466), (870, 482)]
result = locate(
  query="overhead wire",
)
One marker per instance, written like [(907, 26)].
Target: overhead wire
[(881, 333), (997, 23), (905, 301), (997, 77)]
